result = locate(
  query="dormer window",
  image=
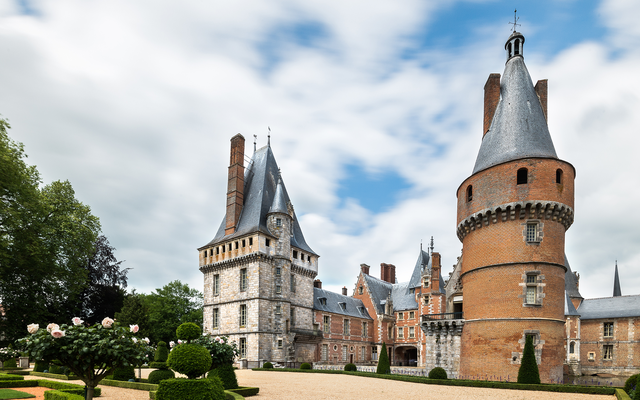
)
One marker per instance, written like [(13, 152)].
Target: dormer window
[(343, 306), (361, 310), (323, 301)]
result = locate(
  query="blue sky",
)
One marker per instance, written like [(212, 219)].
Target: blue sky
[(375, 111)]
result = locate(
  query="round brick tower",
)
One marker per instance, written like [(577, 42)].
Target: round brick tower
[(513, 212)]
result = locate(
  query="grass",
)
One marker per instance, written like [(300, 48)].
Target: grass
[(14, 394)]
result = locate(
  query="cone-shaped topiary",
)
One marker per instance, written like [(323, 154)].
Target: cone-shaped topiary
[(383, 361), (227, 375), (189, 359), (188, 331), (162, 352), (438, 373), (162, 373), (528, 372)]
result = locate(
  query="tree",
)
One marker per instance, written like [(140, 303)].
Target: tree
[(90, 352), (170, 306), (46, 236), (528, 372), (135, 310), (383, 362)]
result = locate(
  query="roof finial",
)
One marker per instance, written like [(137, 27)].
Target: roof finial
[(431, 248), (255, 139), (269, 137), (420, 244), (515, 20)]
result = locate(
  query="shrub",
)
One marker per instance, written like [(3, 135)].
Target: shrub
[(438, 373), (383, 362), (158, 364), (528, 372), (188, 331), (57, 369), (190, 389), (227, 375), (189, 359), (636, 394), (160, 375), (41, 366), (305, 366), (631, 383), (124, 373), (350, 367), (162, 352), (267, 365), (10, 363)]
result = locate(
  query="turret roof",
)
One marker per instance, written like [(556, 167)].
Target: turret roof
[(616, 283), (519, 127), (424, 261), (279, 203), (570, 281), (260, 187)]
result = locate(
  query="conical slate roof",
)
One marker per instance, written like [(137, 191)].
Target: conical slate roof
[(519, 128), (260, 188), (279, 203), (616, 284), (424, 261)]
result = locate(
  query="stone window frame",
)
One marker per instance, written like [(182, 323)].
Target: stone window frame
[(242, 348), (278, 222), (278, 310), (412, 332), (607, 352), (346, 327), (360, 289), (608, 326), (538, 235), (401, 332), (324, 355), (292, 316), (278, 289), (279, 343), (400, 316), (538, 344), (365, 331), (215, 318), (363, 353), (344, 352), (216, 285), (412, 315), (244, 279), (538, 286), (374, 353), (242, 320), (326, 324), (591, 356), (292, 282)]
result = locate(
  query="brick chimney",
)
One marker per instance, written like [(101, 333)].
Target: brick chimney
[(435, 272), (364, 268), (388, 272), (541, 91), (344, 291), (491, 98), (317, 283), (235, 188)]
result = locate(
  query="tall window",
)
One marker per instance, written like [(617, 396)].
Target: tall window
[(216, 318), (292, 316), (278, 271), (360, 290), (390, 333), (346, 328), (325, 352), (412, 332), (558, 176), (267, 242), (532, 289), (278, 289), (243, 347), (374, 353), (363, 354), (532, 232), (365, 332), (326, 324), (243, 279), (292, 282), (243, 315), (400, 332), (572, 347), (278, 309), (608, 329), (344, 353), (412, 314), (278, 222), (607, 352), (522, 176), (469, 193), (216, 285)]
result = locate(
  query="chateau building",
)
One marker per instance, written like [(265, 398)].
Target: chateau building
[(511, 282)]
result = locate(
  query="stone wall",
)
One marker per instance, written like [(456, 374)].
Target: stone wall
[(443, 345)]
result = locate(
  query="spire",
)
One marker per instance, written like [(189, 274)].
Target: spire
[(616, 283), (518, 127), (269, 137), (279, 204)]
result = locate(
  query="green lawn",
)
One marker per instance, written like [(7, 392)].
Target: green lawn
[(14, 394)]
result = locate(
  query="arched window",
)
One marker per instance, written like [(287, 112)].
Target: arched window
[(469, 193), (516, 47), (522, 176), (572, 347), (509, 53), (558, 175)]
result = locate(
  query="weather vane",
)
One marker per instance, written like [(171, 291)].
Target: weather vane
[(515, 20), (431, 247), (269, 137), (255, 140)]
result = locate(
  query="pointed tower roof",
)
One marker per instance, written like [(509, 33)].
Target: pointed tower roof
[(519, 127), (423, 262), (616, 283), (279, 203), (261, 184), (571, 282)]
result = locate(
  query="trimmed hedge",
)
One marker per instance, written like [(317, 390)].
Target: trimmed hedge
[(631, 383), (233, 396), (15, 384), (162, 352), (438, 373), (622, 395), (245, 391), (11, 377), (160, 375), (227, 376), (129, 385), (67, 387), (57, 395), (350, 367), (543, 387), (158, 364), (305, 366), (191, 389), (55, 376), (9, 364)]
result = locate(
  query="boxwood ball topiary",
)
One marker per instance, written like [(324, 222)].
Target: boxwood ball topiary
[(267, 365), (190, 389), (227, 375), (188, 331), (438, 373), (160, 375), (189, 359), (350, 367), (162, 352), (305, 366)]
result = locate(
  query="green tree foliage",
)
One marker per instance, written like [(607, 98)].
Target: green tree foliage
[(383, 362), (46, 238), (135, 311), (227, 375), (170, 306), (528, 372)]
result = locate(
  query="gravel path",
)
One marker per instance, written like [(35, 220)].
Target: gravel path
[(294, 385)]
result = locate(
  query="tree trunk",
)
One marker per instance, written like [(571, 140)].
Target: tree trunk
[(90, 390)]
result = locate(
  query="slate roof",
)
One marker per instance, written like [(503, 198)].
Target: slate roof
[(379, 291), (569, 309), (610, 307), (519, 128), (402, 298), (260, 184), (570, 282), (616, 283), (353, 307), (424, 261)]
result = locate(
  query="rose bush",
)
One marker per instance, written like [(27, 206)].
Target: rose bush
[(90, 352), (222, 350)]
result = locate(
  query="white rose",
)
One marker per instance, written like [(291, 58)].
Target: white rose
[(107, 322), (134, 328), (77, 321), (52, 327), (33, 328), (57, 333)]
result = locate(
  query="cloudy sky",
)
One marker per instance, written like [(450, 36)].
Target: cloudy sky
[(375, 109)]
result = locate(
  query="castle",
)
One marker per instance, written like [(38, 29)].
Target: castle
[(511, 282)]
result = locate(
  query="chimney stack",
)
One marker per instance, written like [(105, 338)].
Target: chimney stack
[(344, 291), (435, 272), (491, 98), (388, 272), (541, 91), (235, 188), (317, 284), (364, 268)]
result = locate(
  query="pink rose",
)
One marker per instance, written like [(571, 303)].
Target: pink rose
[(172, 343), (77, 321), (52, 327), (57, 333), (33, 328), (179, 341), (133, 328), (107, 322)]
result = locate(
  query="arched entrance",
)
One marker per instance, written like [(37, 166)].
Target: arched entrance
[(406, 356)]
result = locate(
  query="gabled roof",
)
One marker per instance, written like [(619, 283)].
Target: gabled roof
[(424, 261), (352, 307), (379, 291), (519, 128), (569, 309), (402, 298), (610, 307), (260, 184)]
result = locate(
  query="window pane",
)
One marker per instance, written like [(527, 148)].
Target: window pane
[(531, 294)]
